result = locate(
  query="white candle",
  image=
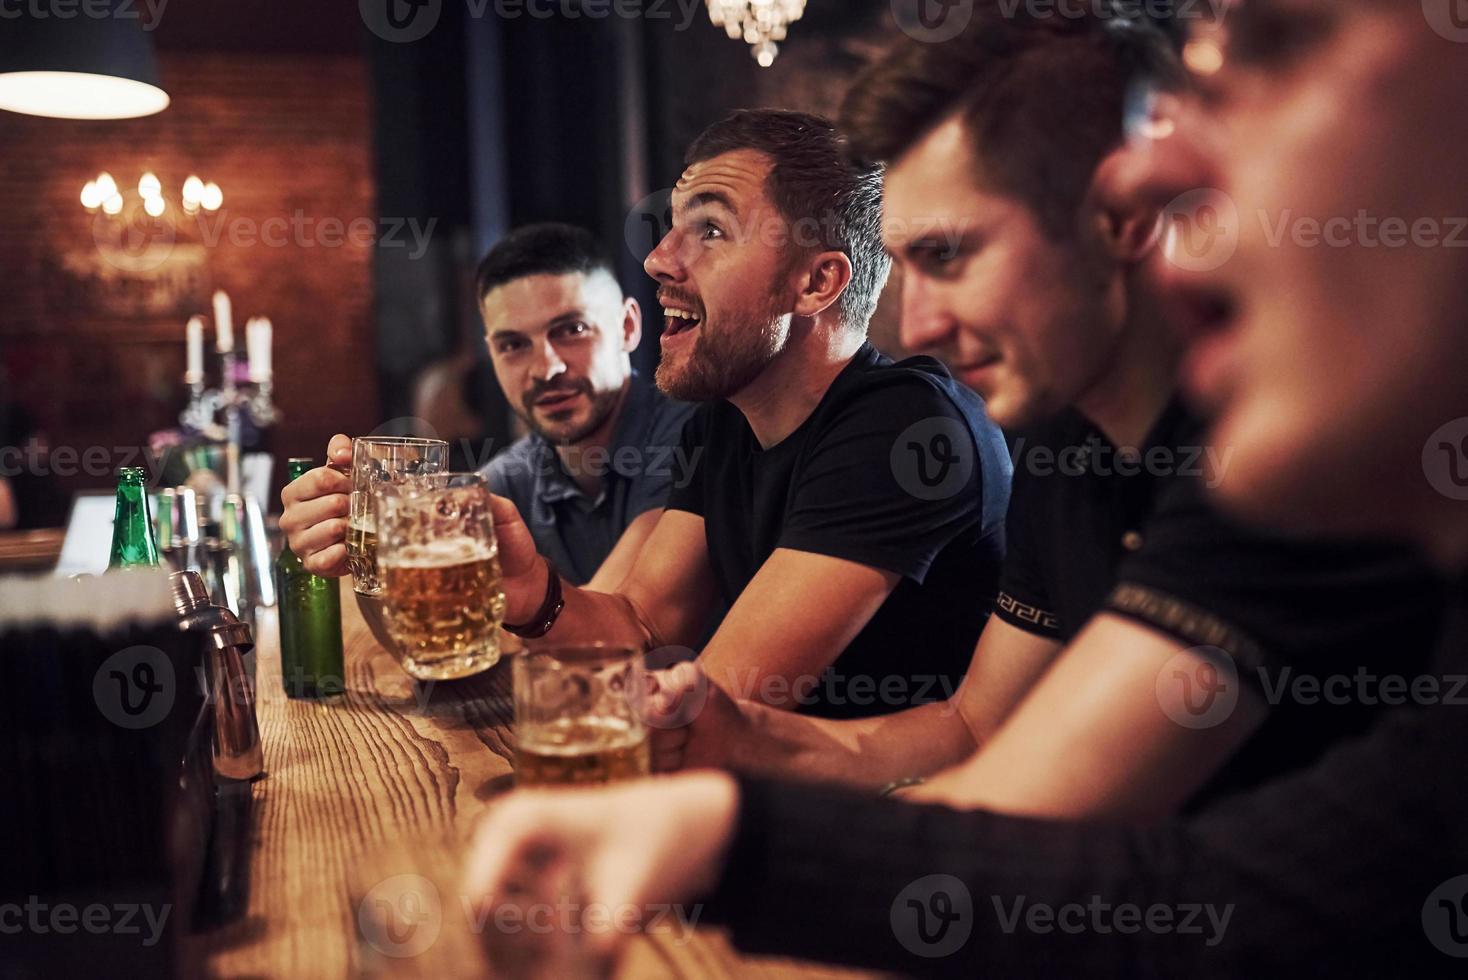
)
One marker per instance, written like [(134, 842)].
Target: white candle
[(258, 333), (194, 373), (223, 325)]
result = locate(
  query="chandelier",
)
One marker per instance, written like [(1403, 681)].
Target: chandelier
[(760, 22), (104, 194)]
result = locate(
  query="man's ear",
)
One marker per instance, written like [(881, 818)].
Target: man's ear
[(1126, 220), (826, 276), (631, 325)]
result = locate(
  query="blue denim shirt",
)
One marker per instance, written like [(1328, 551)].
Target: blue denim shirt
[(640, 467)]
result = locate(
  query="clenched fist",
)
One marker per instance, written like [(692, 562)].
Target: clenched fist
[(317, 506), (623, 850)]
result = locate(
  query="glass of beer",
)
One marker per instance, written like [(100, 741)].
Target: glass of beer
[(378, 460), (576, 717), (440, 571)]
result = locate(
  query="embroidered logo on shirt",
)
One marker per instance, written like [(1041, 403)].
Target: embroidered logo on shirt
[(1026, 613)]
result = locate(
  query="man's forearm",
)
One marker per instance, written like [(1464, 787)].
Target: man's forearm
[(1270, 882), (864, 753), (592, 617)]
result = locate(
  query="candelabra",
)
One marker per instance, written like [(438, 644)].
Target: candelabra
[(235, 395), (218, 414)]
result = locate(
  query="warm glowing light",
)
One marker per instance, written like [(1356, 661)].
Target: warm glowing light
[(92, 196), (1203, 56), (153, 205), (106, 186), (212, 198), (193, 190), (758, 22), (79, 95), (113, 205), (150, 186)]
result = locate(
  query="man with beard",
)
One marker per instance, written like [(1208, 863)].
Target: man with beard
[(595, 470), (837, 501), (841, 500), (1339, 370), (592, 476)]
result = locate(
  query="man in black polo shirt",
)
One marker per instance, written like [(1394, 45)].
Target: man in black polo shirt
[(839, 500)]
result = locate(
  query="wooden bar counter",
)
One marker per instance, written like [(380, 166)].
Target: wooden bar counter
[(381, 786)]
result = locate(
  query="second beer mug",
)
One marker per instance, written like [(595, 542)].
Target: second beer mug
[(439, 567), (379, 460), (576, 716)]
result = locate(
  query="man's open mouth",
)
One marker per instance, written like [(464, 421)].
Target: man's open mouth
[(676, 321)]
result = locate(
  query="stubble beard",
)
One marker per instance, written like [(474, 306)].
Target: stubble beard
[(726, 358), (602, 405)]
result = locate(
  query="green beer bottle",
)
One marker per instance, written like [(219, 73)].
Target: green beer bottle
[(132, 526), (311, 663)]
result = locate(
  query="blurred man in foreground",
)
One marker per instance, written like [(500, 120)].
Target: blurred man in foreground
[(1338, 370)]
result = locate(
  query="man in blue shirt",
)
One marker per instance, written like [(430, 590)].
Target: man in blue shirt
[(602, 454)]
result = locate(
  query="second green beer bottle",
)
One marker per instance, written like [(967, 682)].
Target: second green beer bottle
[(311, 664), (132, 527)]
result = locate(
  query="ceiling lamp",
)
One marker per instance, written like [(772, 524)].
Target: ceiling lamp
[(759, 22), (87, 66)]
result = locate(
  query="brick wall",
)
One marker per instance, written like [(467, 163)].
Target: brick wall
[(92, 336)]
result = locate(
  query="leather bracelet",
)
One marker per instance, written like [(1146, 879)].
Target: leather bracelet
[(550, 610)]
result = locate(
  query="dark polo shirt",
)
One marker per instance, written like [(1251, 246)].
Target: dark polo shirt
[(640, 468)]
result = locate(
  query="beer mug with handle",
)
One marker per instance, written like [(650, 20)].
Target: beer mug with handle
[(438, 562), (578, 718)]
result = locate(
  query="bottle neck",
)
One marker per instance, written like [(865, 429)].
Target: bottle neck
[(132, 533)]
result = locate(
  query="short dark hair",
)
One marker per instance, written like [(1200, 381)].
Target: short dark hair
[(1042, 98), (814, 181), (543, 249)]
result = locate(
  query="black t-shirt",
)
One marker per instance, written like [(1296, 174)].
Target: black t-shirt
[(898, 468), (1305, 623)]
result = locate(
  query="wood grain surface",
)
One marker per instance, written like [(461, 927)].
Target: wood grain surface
[(366, 804)]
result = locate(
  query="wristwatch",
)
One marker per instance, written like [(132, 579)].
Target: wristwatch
[(900, 784), (550, 610)]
